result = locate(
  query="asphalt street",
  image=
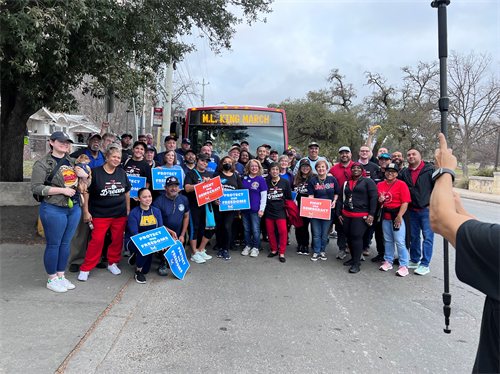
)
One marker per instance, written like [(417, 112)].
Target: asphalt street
[(245, 315)]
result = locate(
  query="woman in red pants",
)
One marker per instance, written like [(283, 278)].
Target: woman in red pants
[(106, 206), (278, 190)]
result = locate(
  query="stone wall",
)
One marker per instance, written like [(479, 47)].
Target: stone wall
[(16, 194), (485, 184)]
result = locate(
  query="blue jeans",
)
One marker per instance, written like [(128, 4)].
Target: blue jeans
[(395, 237), (251, 226), (59, 225), (320, 228), (420, 222)]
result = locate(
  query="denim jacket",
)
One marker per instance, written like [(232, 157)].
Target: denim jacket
[(41, 171)]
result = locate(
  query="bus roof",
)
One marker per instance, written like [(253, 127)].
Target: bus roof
[(236, 107)]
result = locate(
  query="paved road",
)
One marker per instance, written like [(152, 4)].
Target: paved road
[(240, 316)]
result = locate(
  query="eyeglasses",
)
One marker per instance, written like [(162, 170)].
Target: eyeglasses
[(364, 151), (254, 167)]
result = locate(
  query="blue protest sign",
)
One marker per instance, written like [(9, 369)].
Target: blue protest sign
[(153, 240), (234, 200), (137, 183), (294, 195), (211, 166), (159, 176), (176, 257)]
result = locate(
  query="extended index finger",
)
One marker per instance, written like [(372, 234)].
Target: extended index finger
[(442, 142)]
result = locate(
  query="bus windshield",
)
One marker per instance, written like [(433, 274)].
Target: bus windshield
[(224, 127)]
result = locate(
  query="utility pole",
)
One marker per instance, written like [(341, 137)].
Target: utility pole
[(167, 104), (203, 91)]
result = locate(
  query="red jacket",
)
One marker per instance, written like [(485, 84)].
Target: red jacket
[(293, 213)]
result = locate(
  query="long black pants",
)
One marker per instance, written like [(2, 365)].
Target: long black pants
[(224, 226), (302, 233), (354, 229)]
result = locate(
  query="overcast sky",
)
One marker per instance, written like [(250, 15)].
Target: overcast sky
[(302, 41)]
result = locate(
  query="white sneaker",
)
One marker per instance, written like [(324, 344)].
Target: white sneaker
[(114, 269), (197, 258), (204, 255), (246, 251), (67, 283), (56, 285), (254, 252), (83, 276)]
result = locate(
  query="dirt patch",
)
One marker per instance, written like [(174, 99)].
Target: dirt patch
[(18, 225)]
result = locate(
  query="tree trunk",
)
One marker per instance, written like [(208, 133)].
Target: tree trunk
[(14, 116), (465, 161)]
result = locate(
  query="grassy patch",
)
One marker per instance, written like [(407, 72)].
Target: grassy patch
[(28, 168)]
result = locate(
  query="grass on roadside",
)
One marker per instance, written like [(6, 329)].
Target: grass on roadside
[(28, 168)]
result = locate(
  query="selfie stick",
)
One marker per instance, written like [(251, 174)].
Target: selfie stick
[(444, 103)]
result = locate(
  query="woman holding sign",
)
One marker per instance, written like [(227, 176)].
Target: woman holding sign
[(322, 186), (230, 182), (142, 218), (106, 205), (169, 161), (300, 188), (278, 191), (358, 202), (257, 190)]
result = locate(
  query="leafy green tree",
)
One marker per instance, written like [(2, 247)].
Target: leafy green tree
[(49, 46)]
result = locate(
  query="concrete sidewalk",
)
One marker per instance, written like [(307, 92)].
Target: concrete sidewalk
[(41, 328), (489, 198)]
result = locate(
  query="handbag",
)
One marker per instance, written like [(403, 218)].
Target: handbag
[(48, 181)]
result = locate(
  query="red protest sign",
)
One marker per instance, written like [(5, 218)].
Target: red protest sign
[(315, 208), (208, 191)]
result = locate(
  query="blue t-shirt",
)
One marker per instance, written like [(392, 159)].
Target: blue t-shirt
[(323, 190), (240, 168), (172, 215)]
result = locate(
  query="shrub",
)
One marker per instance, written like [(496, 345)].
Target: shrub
[(484, 173), (462, 183)]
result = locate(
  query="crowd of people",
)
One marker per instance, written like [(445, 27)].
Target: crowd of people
[(376, 197)]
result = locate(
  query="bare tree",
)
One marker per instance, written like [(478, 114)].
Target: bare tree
[(474, 100)]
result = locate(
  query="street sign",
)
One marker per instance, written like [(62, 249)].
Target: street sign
[(157, 117)]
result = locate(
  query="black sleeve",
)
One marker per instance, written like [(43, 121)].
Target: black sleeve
[(240, 183), (478, 259), (340, 202), (287, 191), (189, 178), (372, 190), (75, 154)]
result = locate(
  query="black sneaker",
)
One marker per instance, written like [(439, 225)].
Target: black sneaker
[(74, 268), (232, 247), (355, 268), (305, 250), (265, 238), (139, 277), (378, 258), (349, 262), (299, 249), (102, 265), (132, 258), (163, 269)]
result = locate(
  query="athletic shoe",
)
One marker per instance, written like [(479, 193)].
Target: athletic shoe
[(362, 258), (219, 254), (349, 262), (265, 238), (341, 255), (413, 265), (254, 252), (403, 271), (305, 250), (204, 255), (139, 277), (422, 270), (315, 257), (322, 256), (299, 249), (386, 266), (378, 258), (74, 268), (163, 268), (355, 268), (114, 269), (246, 251), (225, 254), (197, 258), (66, 283), (56, 285), (132, 259), (83, 276), (126, 253)]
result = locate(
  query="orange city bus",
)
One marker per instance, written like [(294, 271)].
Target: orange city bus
[(226, 125)]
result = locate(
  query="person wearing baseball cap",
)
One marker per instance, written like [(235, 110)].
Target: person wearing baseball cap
[(185, 145), (394, 197), (291, 159), (274, 155), (245, 146), (312, 150), (189, 160), (170, 145), (174, 208), (126, 140), (149, 155)]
